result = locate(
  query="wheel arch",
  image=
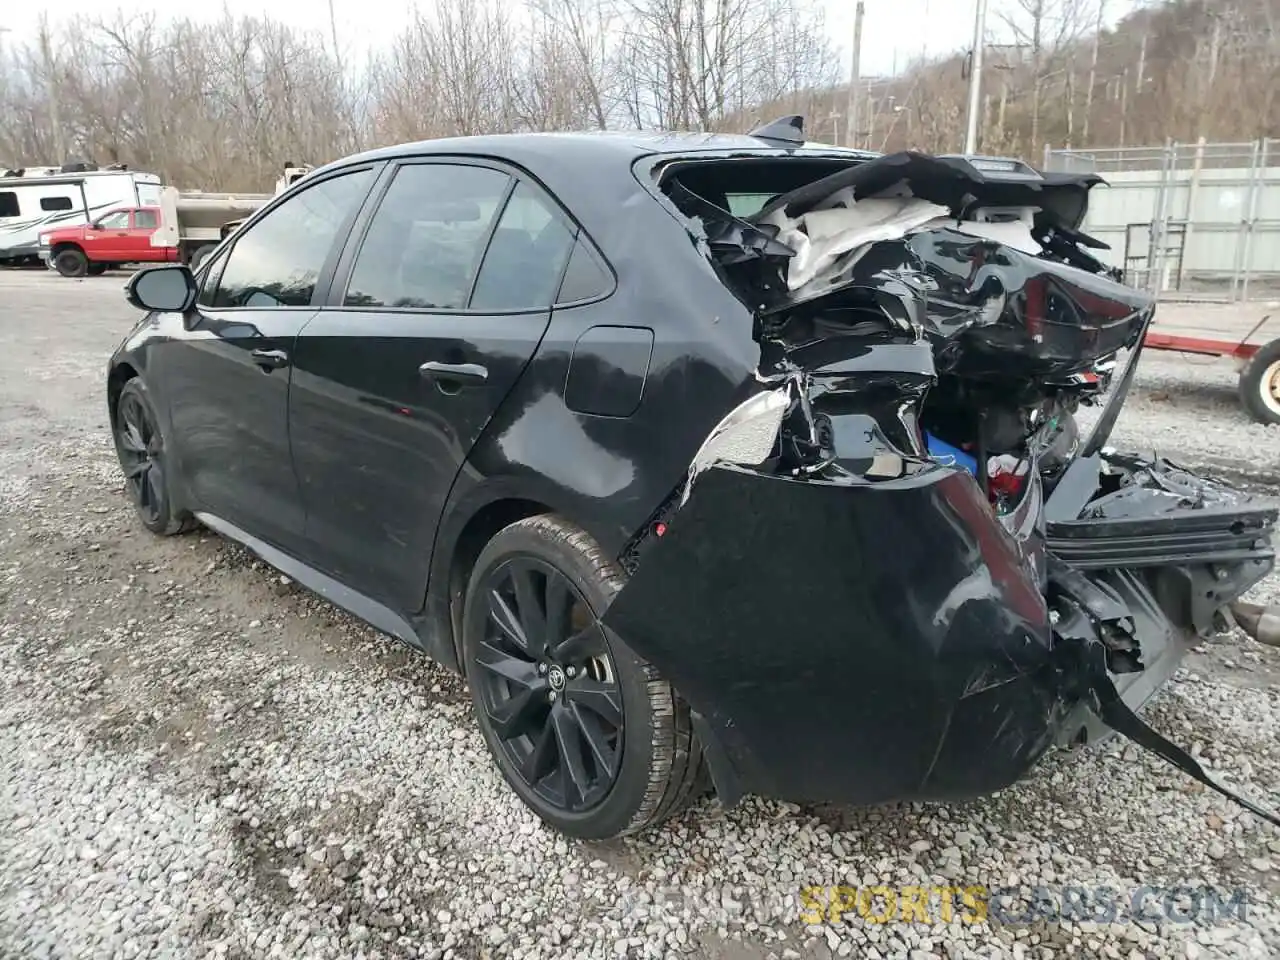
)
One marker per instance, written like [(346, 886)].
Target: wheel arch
[(452, 571), (120, 374), (62, 246)]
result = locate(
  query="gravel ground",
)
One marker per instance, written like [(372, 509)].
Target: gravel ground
[(197, 758)]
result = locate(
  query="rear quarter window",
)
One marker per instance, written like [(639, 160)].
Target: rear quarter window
[(8, 203)]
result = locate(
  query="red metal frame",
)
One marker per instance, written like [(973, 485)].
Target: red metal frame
[(1200, 345), (1205, 346)]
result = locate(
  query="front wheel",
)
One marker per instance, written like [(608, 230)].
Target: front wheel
[(141, 451), (1260, 384), (71, 263), (96, 269), (588, 735)]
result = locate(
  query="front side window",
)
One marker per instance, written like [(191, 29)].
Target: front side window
[(526, 256), (116, 220), (146, 220), (277, 261), (52, 204), (207, 278), (426, 238)]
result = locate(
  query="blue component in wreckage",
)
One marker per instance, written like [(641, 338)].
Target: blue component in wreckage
[(944, 452)]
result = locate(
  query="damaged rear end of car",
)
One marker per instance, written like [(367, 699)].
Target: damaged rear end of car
[(901, 569)]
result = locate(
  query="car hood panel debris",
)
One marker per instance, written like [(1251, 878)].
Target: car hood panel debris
[(898, 571)]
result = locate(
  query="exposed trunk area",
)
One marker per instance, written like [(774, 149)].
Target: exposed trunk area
[(928, 328)]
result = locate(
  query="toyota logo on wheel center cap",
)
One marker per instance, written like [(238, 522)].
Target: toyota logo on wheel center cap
[(555, 676)]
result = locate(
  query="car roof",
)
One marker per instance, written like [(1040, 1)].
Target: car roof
[(620, 145), (592, 173)]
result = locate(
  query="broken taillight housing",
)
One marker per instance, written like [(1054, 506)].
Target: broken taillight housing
[(747, 435)]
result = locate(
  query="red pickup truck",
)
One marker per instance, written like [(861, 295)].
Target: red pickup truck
[(126, 235)]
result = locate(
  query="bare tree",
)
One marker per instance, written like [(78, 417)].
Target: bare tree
[(692, 64), (224, 104), (1051, 31)]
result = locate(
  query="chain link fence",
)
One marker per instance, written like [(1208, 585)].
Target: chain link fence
[(1197, 221)]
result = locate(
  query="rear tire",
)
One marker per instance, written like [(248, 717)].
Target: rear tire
[(143, 459), (587, 733), (71, 263), (1260, 384)]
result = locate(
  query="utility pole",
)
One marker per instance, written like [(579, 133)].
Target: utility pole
[(333, 30), (1142, 67), (851, 113), (52, 68), (1093, 71), (975, 77)]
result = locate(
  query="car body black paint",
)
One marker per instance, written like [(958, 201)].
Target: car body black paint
[(934, 672), (609, 380), (873, 701), (608, 472)]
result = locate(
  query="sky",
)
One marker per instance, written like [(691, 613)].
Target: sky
[(893, 31)]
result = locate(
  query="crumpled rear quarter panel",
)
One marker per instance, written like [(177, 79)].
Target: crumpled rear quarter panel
[(852, 643)]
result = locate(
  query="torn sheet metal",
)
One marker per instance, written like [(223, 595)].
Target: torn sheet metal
[(950, 182), (898, 570), (1111, 708), (848, 645)]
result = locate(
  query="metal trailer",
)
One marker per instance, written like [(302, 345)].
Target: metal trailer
[(1241, 335), (1197, 225)]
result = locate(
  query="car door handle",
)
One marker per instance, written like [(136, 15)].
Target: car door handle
[(270, 359), (464, 374)]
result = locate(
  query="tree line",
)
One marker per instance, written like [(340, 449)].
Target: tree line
[(1057, 74), (225, 104)]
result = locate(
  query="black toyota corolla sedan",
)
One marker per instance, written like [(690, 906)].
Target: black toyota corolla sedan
[(712, 462)]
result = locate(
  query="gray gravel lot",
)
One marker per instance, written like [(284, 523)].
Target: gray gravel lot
[(199, 759)]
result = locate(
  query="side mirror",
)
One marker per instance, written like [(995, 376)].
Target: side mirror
[(95, 225), (169, 288)]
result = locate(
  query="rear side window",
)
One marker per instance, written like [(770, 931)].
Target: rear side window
[(526, 256), (277, 261), (8, 203), (146, 220), (52, 204), (427, 237), (584, 278)]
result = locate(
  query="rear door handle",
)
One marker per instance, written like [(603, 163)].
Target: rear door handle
[(270, 359), (463, 374)]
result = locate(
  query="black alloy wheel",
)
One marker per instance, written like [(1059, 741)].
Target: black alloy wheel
[(140, 449), (547, 684), (588, 734)]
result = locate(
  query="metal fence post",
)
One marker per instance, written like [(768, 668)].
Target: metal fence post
[(1239, 263), (1257, 182), (1156, 239), (1192, 192)]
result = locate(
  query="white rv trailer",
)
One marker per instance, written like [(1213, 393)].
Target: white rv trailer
[(41, 198)]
